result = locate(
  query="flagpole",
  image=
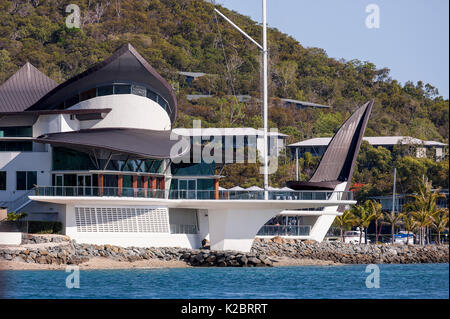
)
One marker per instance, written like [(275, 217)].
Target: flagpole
[(266, 102), (264, 50)]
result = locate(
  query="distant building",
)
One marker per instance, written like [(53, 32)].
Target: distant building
[(233, 133), (402, 199), (196, 97), (191, 76), (317, 146), (303, 105)]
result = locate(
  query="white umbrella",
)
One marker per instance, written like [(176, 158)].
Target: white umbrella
[(222, 189), (254, 188), (236, 188)]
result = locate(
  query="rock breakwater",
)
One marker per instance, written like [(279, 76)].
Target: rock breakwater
[(339, 252), (54, 250)]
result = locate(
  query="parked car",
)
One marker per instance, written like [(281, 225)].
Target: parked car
[(352, 237)]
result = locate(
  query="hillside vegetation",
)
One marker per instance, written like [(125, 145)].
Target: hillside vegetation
[(183, 35)]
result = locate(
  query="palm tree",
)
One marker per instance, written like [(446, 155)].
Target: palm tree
[(393, 219), (362, 219), (375, 209), (410, 225), (344, 222), (440, 222), (424, 206)]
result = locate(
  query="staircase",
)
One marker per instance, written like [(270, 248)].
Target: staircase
[(20, 202)]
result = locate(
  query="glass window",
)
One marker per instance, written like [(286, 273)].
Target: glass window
[(25, 180), (16, 146), (138, 90), (21, 180), (162, 103), (152, 95), (16, 131), (122, 89), (72, 101), (2, 181), (105, 90), (31, 179), (89, 94)]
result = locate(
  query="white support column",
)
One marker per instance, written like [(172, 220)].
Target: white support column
[(232, 229), (324, 222)]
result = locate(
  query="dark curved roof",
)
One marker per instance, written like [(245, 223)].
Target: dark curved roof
[(24, 88), (121, 142), (126, 64), (338, 161)]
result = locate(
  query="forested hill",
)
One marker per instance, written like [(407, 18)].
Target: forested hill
[(182, 35)]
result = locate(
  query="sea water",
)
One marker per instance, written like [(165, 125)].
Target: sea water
[(330, 282)]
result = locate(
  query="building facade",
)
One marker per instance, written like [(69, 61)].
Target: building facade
[(97, 153), (317, 146)]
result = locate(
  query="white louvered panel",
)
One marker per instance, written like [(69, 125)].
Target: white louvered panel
[(123, 219)]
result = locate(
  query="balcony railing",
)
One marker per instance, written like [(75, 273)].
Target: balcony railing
[(284, 230), (69, 191), (183, 229)]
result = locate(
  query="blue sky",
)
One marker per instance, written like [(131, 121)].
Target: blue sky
[(412, 41)]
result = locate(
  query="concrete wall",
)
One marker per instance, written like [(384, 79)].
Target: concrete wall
[(128, 111), (24, 161), (10, 238), (127, 239)]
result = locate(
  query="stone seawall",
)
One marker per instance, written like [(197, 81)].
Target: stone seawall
[(60, 250), (339, 252)]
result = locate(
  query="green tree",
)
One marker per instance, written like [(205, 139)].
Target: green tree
[(374, 209), (344, 222), (424, 206), (363, 218), (440, 222), (410, 225), (393, 219)]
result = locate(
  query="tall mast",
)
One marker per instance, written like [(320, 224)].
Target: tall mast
[(264, 50), (266, 102)]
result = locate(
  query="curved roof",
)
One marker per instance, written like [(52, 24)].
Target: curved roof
[(117, 142), (24, 88), (338, 161), (127, 65)]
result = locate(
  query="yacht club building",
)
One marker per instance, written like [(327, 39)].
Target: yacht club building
[(98, 154)]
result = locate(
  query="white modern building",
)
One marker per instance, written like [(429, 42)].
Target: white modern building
[(97, 153), (317, 146)]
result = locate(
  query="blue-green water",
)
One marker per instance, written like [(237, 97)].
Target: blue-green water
[(396, 281)]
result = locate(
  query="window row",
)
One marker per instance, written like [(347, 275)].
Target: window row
[(25, 180), (115, 89), (16, 131)]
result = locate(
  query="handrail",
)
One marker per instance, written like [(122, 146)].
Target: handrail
[(21, 200), (69, 191), (284, 230)]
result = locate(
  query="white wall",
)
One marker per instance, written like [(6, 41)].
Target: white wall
[(24, 161), (127, 239), (128, 110), (10, 238)]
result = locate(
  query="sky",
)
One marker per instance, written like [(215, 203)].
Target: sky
[(412, 39)]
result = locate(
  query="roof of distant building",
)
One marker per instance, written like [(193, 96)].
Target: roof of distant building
[(373, 140), (192, 74), (228, 131), (304, 103), (193, 97), (24, 88)]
